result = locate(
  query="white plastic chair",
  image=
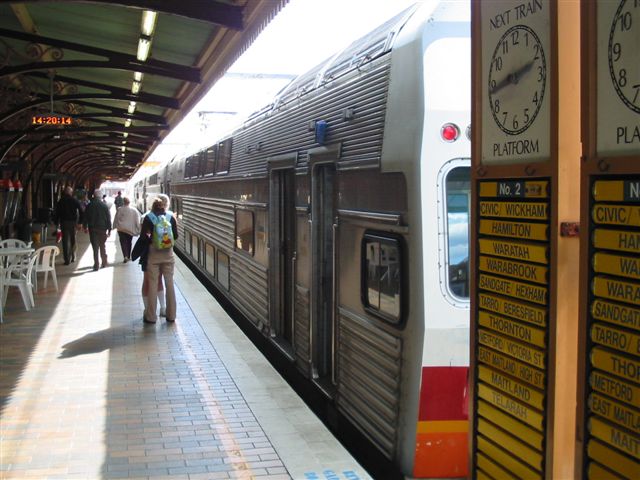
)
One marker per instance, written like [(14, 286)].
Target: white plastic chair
[(20, 276), (46, 262), (14, 243)]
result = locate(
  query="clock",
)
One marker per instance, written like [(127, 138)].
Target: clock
[(517, 79), (624, 41)]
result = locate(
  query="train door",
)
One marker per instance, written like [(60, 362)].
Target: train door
[(323, 351), (282, 254)]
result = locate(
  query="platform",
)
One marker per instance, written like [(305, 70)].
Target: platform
[(88, 391)]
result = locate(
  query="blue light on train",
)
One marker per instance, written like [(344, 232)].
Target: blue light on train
[(321, 131)]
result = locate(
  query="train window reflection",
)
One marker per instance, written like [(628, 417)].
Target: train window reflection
[(223, 269), (458, 194), (381, 276), (209, 260), (224, 156), (245, 231), (210, 155)]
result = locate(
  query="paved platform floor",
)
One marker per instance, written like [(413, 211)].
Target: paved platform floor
[(87, 391)]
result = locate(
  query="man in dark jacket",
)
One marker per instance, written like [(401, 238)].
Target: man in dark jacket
[(97, 219), (68, 212)]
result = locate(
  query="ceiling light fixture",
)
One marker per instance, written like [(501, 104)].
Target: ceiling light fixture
[(148, 22), (137, 76), (125, 134), (132, 108), (127, 122), (144, 45), (135, 87)]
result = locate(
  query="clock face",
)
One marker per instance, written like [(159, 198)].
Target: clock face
[(624, 41), (517, 79)]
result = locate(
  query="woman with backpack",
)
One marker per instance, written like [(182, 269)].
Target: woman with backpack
[(160, 228)]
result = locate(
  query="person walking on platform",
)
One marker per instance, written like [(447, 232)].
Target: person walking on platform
[(68, 214), (119, 201), (97, 219), (161, 229), (127, 223)]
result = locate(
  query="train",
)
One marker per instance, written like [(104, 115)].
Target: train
[(336, 221)]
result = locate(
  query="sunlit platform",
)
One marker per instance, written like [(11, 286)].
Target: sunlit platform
[(87, 391)]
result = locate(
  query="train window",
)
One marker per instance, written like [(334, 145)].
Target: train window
[(210, 160), (245, 231), (187, 243), (457, 196), (223, 269), (194, 247), (381, 276), (209, 259), (224, 156)]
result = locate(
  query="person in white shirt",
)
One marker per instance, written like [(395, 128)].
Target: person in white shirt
[(127, 223)]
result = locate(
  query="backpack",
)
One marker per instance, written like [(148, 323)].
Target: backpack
[(162, 235)]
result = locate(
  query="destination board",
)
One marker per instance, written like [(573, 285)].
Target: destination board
[(514, 407), (613, 330), (616, 290), (626, 241), (513, 367), (521, 230), (512, 348), (615, 412), (609, 214), (612, 459), (622, 266), (492, 468), (508, 385), (521, 290), (615, 338), (617, 191), (618, 438), (510, 424), (514, 309), (511, 444), (515, 189), (515, 250), (506, 460), (512, 328), (510, 268), (623, 315), (519, 210)]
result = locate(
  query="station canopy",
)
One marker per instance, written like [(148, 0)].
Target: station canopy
[(90, 88)]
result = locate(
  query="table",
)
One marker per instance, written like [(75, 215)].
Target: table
[(8, 255)]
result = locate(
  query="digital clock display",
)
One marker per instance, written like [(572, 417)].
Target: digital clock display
[(51, 120)]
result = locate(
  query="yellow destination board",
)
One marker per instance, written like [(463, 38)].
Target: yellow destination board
[(622, 315), (512, 328), (518, 350), (492, 469), (504, 459), (515, 189), (530, 252), (615, 412), (612, 459), (615, 388), (517, 369), (625, 241), (617, 265), (480, 475), (514, 407), (612, 435), (518, 210), (616, 190), (516, 446), (596, 472), (513, 309), (510, 424), (508, 385), (510, 268), (610, 214), (615, 364), (511, 288), (616, 290), (525, 231), (615, 338)]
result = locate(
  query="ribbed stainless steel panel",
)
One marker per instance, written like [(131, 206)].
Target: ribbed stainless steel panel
[(369, 363), (211, 219), (302, 329), (249, 288)]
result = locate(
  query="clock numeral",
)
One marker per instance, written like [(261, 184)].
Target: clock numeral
[(535, 98), (526, 116), (505, 115), (537, 49), (526, 38), (514, 123), (498, 63), (505, 47), (496, 106), (617, 51), (626, 20), (637, 89), (540, 73), (514, 37), (622, 77)]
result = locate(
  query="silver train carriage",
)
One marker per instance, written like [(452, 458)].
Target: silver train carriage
[(336, 221)]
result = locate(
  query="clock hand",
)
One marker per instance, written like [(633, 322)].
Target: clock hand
[(512, 78)]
